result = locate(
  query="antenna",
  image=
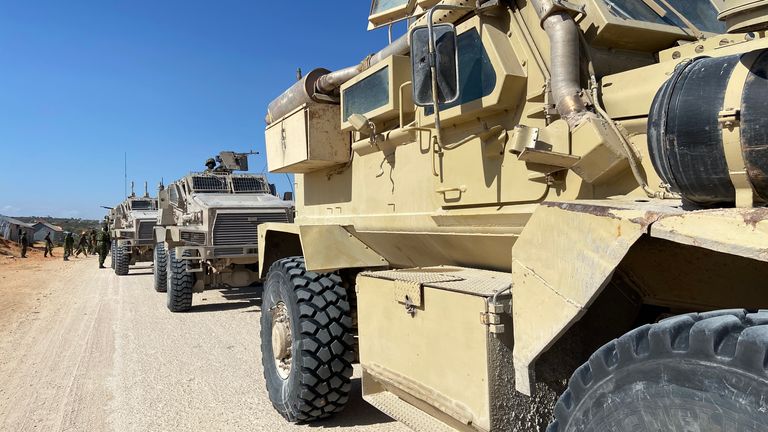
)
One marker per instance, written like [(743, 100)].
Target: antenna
[(146, 191), (133, 194), (125, 174)]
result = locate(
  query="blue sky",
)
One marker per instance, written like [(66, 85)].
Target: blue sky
[(171, 82)]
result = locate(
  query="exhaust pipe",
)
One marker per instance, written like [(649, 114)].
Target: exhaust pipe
[(321, 85), (564, 42), (322, 82)]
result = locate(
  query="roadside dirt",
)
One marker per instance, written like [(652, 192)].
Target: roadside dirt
[(84, 350)]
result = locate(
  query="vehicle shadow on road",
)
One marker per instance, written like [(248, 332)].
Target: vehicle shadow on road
[(357, 413), (236, 298)]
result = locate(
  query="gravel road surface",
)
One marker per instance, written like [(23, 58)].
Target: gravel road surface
[(84, 350)]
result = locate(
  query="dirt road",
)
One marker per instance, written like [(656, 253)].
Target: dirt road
[(84, 350)]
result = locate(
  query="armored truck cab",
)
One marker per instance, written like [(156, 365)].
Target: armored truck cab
[(527, 215), (131, 227), (206, 230)]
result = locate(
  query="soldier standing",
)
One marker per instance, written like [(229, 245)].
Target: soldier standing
[(82, 245), (48, 245), (102, 245), (24, 244), (69, 243), (93, 242)]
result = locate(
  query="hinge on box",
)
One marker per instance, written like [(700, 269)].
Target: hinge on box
[(492, 318)]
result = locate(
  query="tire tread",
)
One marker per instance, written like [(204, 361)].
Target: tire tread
[(733, 337), (326, 340), (180, 283)]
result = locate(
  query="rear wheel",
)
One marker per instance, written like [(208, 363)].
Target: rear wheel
[(161, 267), (704, 371), (179, 283), (121, 259), (306, 341)]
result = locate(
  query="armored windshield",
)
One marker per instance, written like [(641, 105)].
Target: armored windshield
[(141, 205), (209, 183), (252, 184), (231, 183), (380, 6), (699, 12)]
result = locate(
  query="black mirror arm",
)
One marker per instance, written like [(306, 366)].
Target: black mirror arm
[(433, 67)]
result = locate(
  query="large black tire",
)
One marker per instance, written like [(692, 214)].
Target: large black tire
[(695, 372), (161, 267), (122, 259), (180, 283), (112, 253), (317, 385)]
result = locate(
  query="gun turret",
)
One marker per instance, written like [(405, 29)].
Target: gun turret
[(231, 161)]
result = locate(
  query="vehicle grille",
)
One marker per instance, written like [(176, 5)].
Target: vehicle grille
[(228, 251), (146, 230), (193, 237), (240, 228)]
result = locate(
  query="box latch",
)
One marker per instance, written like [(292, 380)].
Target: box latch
[(410, 294)]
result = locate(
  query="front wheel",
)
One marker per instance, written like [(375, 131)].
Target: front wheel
[(306, 341), (695, 372), (121, 259), (161, 267), (180, 283)]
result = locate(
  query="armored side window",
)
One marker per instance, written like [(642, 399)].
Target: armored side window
[(367, 95), (477, 78), (173, 195)]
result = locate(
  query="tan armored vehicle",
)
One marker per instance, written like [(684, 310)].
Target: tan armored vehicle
[(206, 234), (529, 214), (131, 224)]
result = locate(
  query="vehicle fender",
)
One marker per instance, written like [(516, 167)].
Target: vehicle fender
[(563, 259), (325, 248)]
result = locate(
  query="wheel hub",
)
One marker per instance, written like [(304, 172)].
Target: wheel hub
[(281, 340)]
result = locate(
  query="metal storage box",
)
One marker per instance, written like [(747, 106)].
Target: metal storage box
[(306, 140)]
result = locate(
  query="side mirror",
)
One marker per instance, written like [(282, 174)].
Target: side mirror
[(288, 196), (272, 189), (445, 63)]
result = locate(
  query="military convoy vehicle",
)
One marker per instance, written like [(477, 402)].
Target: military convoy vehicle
[(206, 229), (528, 214), (131, 226)]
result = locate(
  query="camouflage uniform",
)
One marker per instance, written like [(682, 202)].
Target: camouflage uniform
[(93, 242), (24, 244), (48, 245), (69, 244), (102, 245), (82, 245)]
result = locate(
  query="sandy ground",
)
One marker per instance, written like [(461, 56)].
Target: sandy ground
[(84, 350)]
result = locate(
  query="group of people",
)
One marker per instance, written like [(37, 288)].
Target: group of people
[(90, 242), (85, 245), (93, 242)]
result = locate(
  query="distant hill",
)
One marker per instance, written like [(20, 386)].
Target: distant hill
[(75, 225)]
